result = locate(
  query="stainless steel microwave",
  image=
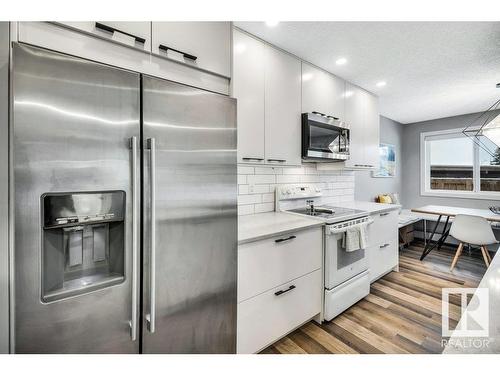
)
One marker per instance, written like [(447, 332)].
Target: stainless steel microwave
[(324, 138)]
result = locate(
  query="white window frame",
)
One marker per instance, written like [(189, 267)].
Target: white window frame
[(425, 178)]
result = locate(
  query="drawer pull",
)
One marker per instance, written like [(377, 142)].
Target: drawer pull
[(285, 239), (258, 159), (280, 292), (112, 30), (277, 160), (186, 55), (384, 245), (384, 214)]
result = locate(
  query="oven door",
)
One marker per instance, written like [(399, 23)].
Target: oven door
[(324, 138), (341, 265)]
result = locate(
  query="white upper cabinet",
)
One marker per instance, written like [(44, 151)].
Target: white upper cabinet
[(206, 45), (282, 108), (322, 92), (267, 85), (248, 86), (362, 116), (372, 131), (354, 117), (133, 34)]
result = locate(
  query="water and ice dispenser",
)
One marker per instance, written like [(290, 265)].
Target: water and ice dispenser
[(83, 244)]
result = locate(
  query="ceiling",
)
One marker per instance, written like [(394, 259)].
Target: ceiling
[(432, 69)]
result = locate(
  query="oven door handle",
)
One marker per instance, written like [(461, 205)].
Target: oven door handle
[(332, 230)]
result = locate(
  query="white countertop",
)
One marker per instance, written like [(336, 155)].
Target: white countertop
[(269, 224), (259, 226), (370, 207), (477, 345)]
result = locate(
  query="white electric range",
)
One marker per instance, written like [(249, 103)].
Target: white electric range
[(346, 274)]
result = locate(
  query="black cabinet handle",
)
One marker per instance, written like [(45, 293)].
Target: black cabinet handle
[(258, 159), (384, 245), (112, 30), (280, 292), (186, 55), (384, 214), (277, 160), (285, 239)]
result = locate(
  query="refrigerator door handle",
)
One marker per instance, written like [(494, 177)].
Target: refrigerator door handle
[(133, 322), (151, 317)]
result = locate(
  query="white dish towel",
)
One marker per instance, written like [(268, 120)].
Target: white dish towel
[(354, 238), (350, 240)]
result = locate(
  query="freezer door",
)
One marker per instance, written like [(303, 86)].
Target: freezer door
[(190, 220), (72, 130)]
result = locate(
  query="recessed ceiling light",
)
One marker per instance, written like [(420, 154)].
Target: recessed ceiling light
[(341, 61), (381, 84), (272, 23)]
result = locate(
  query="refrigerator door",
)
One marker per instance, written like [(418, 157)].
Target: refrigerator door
[(190, 220), (74, 204)]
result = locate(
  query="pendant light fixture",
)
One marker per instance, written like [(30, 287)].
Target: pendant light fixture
[(486, 125)]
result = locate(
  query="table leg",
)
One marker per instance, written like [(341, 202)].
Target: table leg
[(425, 232), (428, 248), (444, 234)]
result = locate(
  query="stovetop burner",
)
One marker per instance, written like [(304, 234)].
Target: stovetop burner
[(327, 212)]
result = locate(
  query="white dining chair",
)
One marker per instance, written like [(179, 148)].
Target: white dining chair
[(472, 230)]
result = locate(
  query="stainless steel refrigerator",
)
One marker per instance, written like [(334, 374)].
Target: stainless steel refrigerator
[(125, 218)]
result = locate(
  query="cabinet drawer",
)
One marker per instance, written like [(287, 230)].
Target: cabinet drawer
[(382, 258), (133, 34), (206, 45), (264, 264), (267, 317), (383, 228), (345, 295)]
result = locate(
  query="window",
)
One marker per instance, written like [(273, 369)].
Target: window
[(456, 166)]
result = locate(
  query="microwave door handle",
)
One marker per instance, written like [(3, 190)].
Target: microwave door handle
[(151, 317)]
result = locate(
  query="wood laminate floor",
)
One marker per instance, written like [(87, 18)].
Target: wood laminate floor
[(402, 313)]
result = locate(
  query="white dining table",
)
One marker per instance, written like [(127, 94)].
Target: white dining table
[(448, 212)]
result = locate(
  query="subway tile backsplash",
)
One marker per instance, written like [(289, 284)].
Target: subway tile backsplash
[(256, 185)]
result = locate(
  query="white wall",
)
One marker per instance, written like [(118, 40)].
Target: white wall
[(368, 187), (256, 185), (411, 164)]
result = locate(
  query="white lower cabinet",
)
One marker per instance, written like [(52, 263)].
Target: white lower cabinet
[(265, 264), (279, 286), (383, 254), (271, 315)]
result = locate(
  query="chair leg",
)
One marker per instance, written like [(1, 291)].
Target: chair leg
[(488, 254), (485, 256), (457, 254)]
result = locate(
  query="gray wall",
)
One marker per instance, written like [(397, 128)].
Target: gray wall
[(411, 164), (4, 160), (366, 187)]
